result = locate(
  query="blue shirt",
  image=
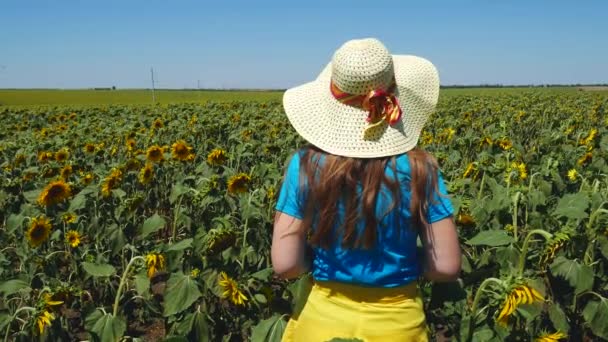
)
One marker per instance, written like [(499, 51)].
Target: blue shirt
[(393, 261)]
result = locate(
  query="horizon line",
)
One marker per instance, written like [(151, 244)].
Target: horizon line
[(481, 85)]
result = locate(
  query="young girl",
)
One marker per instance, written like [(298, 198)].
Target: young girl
[(354, 202)]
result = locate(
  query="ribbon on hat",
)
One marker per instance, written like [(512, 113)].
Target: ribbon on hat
[(381, 105)]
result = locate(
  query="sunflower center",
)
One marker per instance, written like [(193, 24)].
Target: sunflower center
[(181, 149), (56, 191), (37, 232)]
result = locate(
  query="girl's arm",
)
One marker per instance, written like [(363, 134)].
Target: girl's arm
[(288, 252), (441, 251)]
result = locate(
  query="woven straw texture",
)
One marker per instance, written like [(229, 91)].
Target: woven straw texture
[(358, 67)]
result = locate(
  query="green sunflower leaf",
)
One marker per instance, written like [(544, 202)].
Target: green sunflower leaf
[(269, 330), (491, 238), (572, 206), (181, 292), (579, 276), (98, 270), (151, 225)]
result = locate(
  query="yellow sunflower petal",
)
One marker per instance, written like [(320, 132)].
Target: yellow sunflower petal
[(537, 296)]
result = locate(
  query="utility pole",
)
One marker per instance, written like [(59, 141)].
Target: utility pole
[(153, 96)]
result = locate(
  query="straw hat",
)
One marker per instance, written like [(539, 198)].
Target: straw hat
[(366, 103)]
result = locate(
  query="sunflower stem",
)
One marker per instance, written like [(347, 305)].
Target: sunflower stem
[(481, 184), (516, 198), (122, 283), (8, 324), (524, 250), (478, 294), (175, 215)]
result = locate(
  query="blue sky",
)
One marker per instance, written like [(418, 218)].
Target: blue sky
[(273, 44)]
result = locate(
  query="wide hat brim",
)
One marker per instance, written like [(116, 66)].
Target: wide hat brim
[(338, 128)]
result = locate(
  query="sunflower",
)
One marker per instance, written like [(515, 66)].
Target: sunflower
[(155, 154), (469, 170), (48, 302), (28, 176), (505, 144), (521, 294), (62, 155), (72, 116), (218, 240), (465, 219), (231, 290), (131, 144), (181, 151), (73, 238), (211, 185), (146, 174), (157, 124), (55, 192), (132, 164), (19, 159), (154, 262), (89, 148), (69, 218), (554, 337), (44, 156), (521, 169), (239, 183), (271, 193), (216, 157), (585, 159), (572, 174), (195, 272), (557, 242), (486, 141), (44, 319), (39, 230), (66, 172), (43, 132), (87, 178), (111, 182), (518, 170), (449, 133), (246, 134), (590, 137)]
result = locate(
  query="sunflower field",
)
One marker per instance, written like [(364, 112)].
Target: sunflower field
[(153, 223)]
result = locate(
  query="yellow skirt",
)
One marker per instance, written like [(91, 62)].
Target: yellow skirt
[(337, 310)]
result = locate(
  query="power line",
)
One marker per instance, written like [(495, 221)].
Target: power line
[(153, 95)]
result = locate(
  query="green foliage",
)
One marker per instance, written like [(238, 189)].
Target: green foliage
[(579, 276), (182, 291), (491, 238), (152, 225), (105, 327), (269, 330), (596, 315), (99, 270), (202, 249)]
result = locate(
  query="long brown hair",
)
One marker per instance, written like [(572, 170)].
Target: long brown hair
[(332, 179)]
